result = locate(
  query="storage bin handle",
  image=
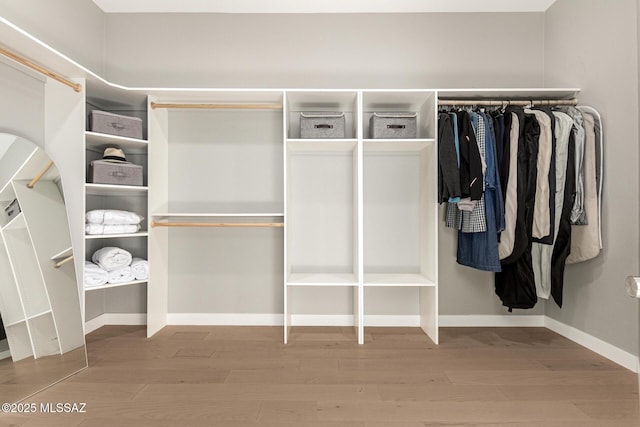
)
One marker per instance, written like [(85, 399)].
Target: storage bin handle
[(323, 126), (118, 174), (396, 126), (117, 125)]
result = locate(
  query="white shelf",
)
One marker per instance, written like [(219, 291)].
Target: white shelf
[(165, 215), (16, 222), (63, 254), (99, 140), (14, 323), (114, 190), (35, 316), (321, 145), (396, 145), (322, 279), (116, 236), (376, 279), (113, 285), (515, 93)]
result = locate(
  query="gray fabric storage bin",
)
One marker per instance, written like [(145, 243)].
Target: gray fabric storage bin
[(393, 125), (321, 125), (120, 173), (115, 124)]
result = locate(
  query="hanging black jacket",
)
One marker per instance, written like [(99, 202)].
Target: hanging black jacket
[(471, 178), (448, 171)]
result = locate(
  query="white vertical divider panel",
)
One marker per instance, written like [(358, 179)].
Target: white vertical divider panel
[(64, 123), (158, 240), (287, 267), (358, 167), (429, 230)]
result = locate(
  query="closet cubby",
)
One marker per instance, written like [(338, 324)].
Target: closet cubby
[(400, 222), (322, 101), (25, 265), (216, 158), (322, 213), (384, 101)]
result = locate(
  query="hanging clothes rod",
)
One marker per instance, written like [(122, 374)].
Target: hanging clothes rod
[(37, 178), (63, 262), (222, 106), (506, 102), (217, 224), (75, 86)]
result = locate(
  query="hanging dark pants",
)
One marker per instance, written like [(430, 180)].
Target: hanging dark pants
[(515, 285)]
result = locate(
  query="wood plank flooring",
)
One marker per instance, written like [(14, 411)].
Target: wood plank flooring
[(245, 376)]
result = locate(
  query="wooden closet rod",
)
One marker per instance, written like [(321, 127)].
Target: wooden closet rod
[(217, 224), (63, 262), (75, 86), (506, 102), (226, 106), (37, 178)]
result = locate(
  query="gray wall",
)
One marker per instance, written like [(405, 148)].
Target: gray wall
[(59, 23), (592, 45), (334, 51), (339, 51), (25, 116)]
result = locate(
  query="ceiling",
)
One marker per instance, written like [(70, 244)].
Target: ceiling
[(324, 6)]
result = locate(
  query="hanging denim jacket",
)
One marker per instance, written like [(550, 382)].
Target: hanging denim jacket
[(480, 250)]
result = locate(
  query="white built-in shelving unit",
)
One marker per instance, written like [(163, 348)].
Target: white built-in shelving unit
[(109, 196), (341, 231)]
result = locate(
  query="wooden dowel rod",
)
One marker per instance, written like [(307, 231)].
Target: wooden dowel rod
[(216, 224), (75, 86), (237, 106), (63, 262), (37, 178), (506, 102)]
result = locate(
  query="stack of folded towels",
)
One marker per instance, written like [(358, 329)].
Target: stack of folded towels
[(114, 265), (111, 221)]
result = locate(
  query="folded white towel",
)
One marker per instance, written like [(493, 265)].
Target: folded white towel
[(111, 228), (111, 258), (94, 275), (112, 216), (121, 275), (140, 268)]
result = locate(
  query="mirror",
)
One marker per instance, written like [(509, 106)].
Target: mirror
[(41, 335)]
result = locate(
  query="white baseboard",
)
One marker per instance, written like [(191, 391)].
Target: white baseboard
[(394, 321), (228, 319), (5, 354), (611, 352), (276, 319), (491, 321), (114, 319)]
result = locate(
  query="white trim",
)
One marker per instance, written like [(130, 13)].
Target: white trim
[(276, 319), (491, 321), (114, 319), (93, 324), (326, 6), (611, 352), (230, 319), (5, 354), (322, 320), (394, 321)]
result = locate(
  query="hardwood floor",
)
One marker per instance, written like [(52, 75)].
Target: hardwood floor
[(245, 376)]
